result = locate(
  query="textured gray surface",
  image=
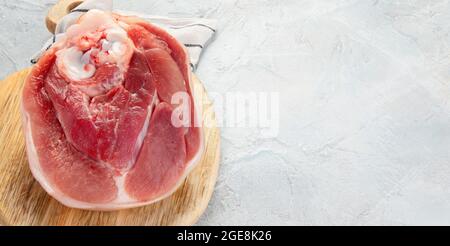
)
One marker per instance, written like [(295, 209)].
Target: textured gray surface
[(364, 105)]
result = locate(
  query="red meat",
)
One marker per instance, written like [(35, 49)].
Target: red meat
[(97, 114)]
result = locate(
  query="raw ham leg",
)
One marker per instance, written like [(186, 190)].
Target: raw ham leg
[(98, 117)]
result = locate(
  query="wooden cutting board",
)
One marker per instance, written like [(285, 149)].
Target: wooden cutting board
[(24, 202)]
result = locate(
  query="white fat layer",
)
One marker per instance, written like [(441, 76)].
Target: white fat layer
[(114, 47), (144, 130), (75, 64), (79, 63), (122, 195)]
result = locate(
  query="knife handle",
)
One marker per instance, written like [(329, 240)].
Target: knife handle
[(59, 10)]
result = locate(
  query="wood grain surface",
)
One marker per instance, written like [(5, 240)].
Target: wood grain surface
[(24, 202)]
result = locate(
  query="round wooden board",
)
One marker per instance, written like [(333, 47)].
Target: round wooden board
[(24, 202)]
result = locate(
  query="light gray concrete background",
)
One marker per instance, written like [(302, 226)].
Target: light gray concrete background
[(364, 89)]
